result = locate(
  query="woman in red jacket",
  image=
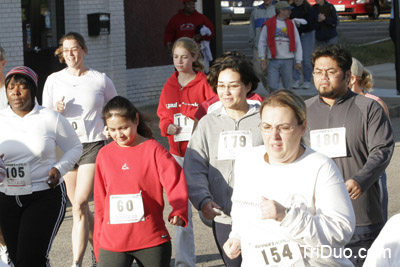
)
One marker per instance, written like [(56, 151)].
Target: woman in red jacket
[(131, 174), (183, 92)]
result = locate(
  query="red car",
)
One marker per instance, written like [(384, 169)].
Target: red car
[(353, 8)]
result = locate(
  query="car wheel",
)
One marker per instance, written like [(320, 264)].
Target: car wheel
[(375, 13), (226, 21), (353, 16)]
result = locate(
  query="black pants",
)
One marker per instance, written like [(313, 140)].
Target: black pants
[(158, 256), (30, 224), (391, 29), (221, 235), (359, 245)]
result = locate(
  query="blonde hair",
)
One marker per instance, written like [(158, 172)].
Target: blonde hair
[(69, 36), (193, 48), (289, 99), (366, 80), (364, 76)]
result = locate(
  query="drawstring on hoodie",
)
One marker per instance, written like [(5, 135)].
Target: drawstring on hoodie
[(18, 201)]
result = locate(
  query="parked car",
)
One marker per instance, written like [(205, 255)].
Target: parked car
[(354, 8), (237, 10)]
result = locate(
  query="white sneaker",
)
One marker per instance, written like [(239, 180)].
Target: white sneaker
[(306, 85), (297, 84), (76, 265)]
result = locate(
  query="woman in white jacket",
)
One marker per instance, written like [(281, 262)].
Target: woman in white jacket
[(290, 206)]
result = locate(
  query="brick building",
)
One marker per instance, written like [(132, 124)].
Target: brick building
[(132, 54)]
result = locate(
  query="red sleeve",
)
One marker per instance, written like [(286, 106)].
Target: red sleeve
[(170, 31), (254, 96), (209, 25), (173, 181), (99, 198), (202, 109), (164, 114), (209, 92)]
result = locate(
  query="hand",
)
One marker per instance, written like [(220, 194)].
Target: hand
[(321, 17), (263, 64), (210, 210), (176, 220), (197, 37), (173, 129), (298, 66), (169, 45), (270, 209), (60, 105), (232, 248), (54, 177), (353, 188)]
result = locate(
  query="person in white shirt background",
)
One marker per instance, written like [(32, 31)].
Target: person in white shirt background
[(79, 94), (3, 97)]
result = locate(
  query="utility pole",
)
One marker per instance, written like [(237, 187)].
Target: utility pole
[(395, 4)]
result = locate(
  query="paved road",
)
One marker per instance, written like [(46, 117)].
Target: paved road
[(206, 251), (235, 36)]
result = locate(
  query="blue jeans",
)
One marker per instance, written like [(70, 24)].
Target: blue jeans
[(280, 68), (326, 42), (184, 237), (307, 43), (384, 195)]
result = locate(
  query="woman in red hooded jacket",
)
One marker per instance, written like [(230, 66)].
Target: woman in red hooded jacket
[(183, 92)]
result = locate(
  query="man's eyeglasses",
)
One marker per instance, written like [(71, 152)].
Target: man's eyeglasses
[(332, 74)]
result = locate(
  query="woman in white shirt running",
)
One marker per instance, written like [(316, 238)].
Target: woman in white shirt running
[(33, 195), (290, 204), (79, 93)]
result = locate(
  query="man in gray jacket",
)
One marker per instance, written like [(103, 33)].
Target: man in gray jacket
[(258, 17), (354, 131)]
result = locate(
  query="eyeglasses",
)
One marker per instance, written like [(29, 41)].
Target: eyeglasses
[(332, 74), (232, 86), (72, 49), (281, 128)]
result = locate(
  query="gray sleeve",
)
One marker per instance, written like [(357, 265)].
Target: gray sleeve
[(252, 30), (262, 43), (196, 166), (380, 145)]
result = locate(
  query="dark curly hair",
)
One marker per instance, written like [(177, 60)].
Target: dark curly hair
[(336, 52), (237, 63)]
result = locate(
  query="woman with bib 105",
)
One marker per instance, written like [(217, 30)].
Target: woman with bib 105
[(33, 196), (79, 93), (290, 204)]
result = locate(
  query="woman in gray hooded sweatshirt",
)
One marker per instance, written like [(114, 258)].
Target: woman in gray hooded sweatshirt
[(231, 126)]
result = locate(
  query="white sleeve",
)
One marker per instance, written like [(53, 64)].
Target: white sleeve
[(110, 92), (262, 43), (47, 96), (385, 251), (69, 142), (299, 49), (333, 222)]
